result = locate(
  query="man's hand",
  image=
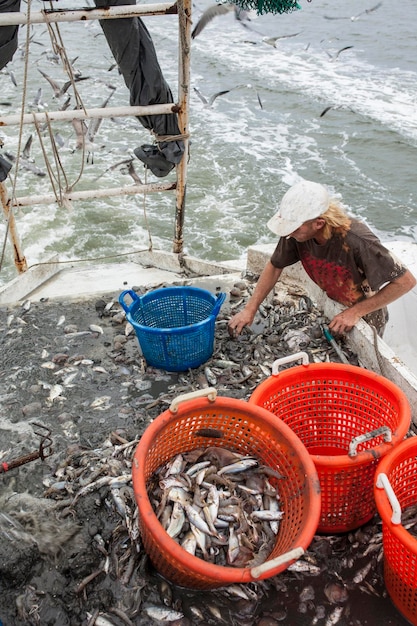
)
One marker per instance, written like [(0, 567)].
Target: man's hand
[(239, 321), (344, 321)]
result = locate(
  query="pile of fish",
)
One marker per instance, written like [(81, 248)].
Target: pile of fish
[(70, 548), (218, 505)]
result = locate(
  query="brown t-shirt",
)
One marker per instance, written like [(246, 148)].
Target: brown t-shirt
[(347, 268)]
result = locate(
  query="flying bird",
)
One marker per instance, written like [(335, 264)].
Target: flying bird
[(209, 102), (59, 90), (12, 76), (219, 9), (273, 40), (334, 107), (333, 57), (37, 101), (130, 169), (80, 128), (27, 148), (114, 166), (353, 18), (95, 123), (85, 135), (25, 164)]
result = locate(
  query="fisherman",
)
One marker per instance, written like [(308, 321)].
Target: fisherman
[(339, 253)]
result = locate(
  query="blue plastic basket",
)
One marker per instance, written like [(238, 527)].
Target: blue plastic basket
[(174, 325)]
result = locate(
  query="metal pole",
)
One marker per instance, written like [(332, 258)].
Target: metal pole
[(19, 259), (81, 114), (94, 193), (78, 15), (184, 30)]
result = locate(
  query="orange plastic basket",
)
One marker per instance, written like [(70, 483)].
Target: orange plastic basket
[(348, 418), (245, 429), (395, 489)]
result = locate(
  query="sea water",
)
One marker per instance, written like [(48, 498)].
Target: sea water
[(247, 148)]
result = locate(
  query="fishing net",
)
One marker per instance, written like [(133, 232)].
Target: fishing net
[(268, 6)]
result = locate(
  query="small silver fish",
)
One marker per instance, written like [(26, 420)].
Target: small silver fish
[(96, 329), (362, 573), (239, 466), (334, 616), (189, 543), (177, 520), (162, 614)]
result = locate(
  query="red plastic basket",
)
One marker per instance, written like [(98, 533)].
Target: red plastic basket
[(395, 489), (348, 418), (246, 429)]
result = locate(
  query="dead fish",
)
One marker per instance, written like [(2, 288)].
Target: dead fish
[(239, 466), (96, 329), (129, 329), (336, 593), (99, 402), (196, 520), (362, 573), (303, 567), (211, 378), (208, 432), (162, 614), (99, 620), (177, 520), (189, 543), (48, 365), (334, 616)]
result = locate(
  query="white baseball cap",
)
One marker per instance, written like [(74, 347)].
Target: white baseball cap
[(302, 202)]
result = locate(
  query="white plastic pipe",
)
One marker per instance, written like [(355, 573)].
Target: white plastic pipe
[(81, 15), (295, 553)]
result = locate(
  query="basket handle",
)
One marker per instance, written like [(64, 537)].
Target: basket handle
[(382, 482), (383, 430), (291, 555), (209, 392), (133, 295), (289, 359), (220, 299)]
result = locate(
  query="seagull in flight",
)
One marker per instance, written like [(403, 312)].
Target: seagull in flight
[(219, 9), (333, 57), (272, 41), (58, 90), (335, 107), (353, 18), (208, 103)]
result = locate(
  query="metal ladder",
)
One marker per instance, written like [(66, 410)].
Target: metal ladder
[(182, 9)]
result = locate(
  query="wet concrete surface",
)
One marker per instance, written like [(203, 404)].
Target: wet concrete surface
[(73, 368)]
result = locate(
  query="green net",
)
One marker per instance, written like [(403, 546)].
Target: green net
[(268, 6)]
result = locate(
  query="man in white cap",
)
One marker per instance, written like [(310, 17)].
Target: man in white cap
[(339, 253)]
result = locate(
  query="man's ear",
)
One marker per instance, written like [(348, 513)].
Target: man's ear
[(320, 222)]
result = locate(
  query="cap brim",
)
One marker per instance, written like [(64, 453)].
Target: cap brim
[(281, 226)]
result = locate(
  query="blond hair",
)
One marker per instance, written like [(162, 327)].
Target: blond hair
[(336, 220)]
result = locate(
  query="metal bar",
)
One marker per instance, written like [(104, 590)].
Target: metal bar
[(81, 114), (19, 258), (81, 15), (95, 193), (184, 30)]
